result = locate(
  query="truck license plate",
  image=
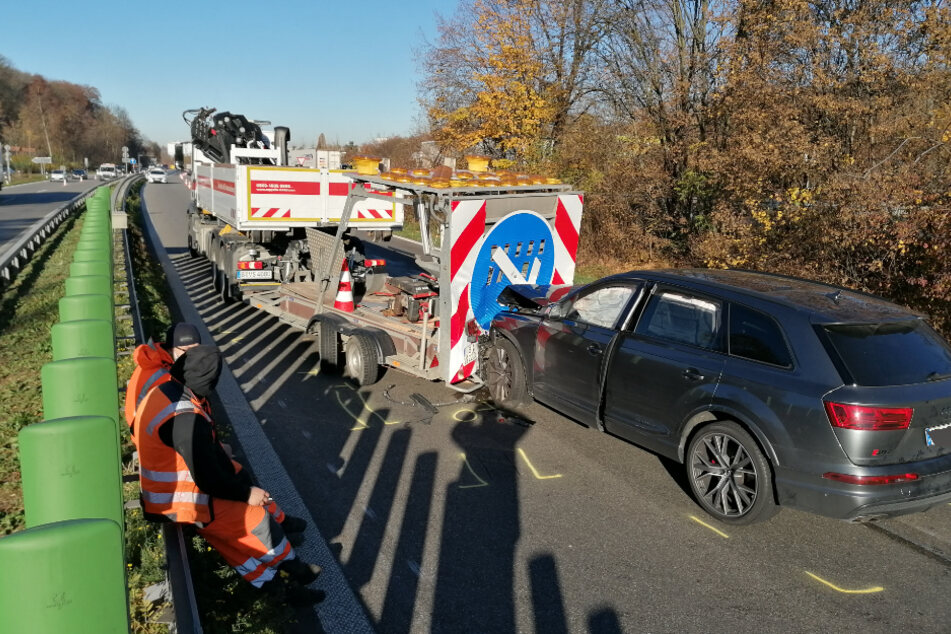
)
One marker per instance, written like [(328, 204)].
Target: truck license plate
[(254, 275), (472, 349)]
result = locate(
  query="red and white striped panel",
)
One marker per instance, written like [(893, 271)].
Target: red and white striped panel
[(270, 212), (467, 226), (567, 228)]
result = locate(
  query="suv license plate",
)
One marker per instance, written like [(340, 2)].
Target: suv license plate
[(472, 350), (254, 275)]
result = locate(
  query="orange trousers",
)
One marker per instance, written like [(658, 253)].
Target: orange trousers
[(249, 538)]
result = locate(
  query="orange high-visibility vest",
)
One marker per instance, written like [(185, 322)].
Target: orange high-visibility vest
[(167, 485), (152, 362)]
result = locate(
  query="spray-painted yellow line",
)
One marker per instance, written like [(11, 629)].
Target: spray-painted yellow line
[(843, 590), (312, 372), (472, 411), (482, 483), (366, 412), (535, 471), (704, 524)]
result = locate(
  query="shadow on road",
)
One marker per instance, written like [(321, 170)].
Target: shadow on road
[(425, 526)]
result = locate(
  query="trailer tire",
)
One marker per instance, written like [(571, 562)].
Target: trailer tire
[(226, 292), (215, 279), (328, 347), (362, 359), (192, 250)]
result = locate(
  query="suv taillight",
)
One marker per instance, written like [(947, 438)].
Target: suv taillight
[(868, 418)]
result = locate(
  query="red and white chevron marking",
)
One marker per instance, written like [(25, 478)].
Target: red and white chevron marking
[(374, 214), (270, 212), (467, 227), (567, 228)]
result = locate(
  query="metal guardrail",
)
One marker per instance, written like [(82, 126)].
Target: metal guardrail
[(17, 255), (187, 620)]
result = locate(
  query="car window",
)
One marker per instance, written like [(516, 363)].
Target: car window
[(902, 353), (679, 317), (599, 307), (756, 336)]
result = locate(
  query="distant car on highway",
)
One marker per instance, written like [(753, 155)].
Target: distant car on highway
[(106, 171), (156, 175), (79, 175), (770, 390), (58, 176)]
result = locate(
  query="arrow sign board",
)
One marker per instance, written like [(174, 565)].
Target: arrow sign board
[(43, 160), (518, 250)]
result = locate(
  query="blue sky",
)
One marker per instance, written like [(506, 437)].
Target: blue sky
[(344, 69)]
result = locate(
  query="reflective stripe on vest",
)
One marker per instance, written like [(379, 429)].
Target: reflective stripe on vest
[(178, 496), (169, 410), (166, 476), (158, 374)]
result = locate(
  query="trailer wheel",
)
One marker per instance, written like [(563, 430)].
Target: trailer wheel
[(192, 250), (362, 359), (328, 347), (215, 279), (226, 292)]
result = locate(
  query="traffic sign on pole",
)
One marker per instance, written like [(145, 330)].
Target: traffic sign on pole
[(43, 160)]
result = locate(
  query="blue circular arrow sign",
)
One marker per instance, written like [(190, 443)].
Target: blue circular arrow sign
[(517, 250)]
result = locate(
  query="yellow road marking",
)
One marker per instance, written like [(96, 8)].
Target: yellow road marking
[(534, 471), (312, 372), (482, 483), (366, 412), (715, 530), (843, 590)]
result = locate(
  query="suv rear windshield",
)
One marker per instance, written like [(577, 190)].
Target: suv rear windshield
[(902, 353)]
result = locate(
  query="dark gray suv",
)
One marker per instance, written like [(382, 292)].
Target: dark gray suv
[(769, 389)]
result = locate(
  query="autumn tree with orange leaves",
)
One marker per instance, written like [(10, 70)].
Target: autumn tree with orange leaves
[(811, 138)]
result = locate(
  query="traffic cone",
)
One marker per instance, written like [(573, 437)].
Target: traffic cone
[(344, 299)]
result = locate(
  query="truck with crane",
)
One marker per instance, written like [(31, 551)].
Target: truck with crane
[(283, 239)]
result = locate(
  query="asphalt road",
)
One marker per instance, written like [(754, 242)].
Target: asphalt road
[(473, 520), (22, 206)]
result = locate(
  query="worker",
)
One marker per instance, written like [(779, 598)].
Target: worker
[(187, 477), (152, 361)]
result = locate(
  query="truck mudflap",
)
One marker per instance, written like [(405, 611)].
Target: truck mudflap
[(487, 255)]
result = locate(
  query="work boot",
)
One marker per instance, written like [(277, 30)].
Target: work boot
[(300, 597), (299, 571), (293, 524)]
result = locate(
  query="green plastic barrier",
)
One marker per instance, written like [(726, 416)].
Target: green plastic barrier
[(86, 386), (64, 577), (69, 470), (99, 232), (89, 285), (91, 267), (80, 387), (77, 307), (95, 241), (83, 338), (86, 255)]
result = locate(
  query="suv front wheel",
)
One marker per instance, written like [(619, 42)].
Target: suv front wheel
[(729, 475)]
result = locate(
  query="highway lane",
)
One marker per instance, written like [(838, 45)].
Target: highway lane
[(22, 206), (471, 519)]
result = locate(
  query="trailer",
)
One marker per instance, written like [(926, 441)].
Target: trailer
[(283, 240), (434, 324)]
